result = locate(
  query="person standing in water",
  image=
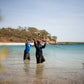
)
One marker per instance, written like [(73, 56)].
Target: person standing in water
[(27, 50), (39, 53)]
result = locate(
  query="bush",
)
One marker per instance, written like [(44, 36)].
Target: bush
[(12, 40)]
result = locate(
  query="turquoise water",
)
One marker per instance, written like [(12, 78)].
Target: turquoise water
[(55, 55), (62, 61)]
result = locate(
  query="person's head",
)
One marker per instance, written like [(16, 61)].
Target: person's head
[(28, 40), (39, 34), (38, 41)]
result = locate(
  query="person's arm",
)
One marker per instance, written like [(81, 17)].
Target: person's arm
[(34, 42), (25, 42), (32, 45), (44, 45)]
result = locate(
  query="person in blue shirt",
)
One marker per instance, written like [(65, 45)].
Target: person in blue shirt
[(27, 50)]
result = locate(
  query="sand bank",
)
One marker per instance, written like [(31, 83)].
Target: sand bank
[(2, 44)]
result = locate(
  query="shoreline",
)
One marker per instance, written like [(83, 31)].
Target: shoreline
[(58, 43), (6, 44)]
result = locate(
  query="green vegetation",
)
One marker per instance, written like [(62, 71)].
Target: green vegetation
[(20, 34), (54, 38), (69, 43)]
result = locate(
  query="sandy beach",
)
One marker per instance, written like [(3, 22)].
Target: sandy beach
[(4, 44)]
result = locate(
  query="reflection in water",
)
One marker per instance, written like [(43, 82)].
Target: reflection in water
[(39, 73), (1, 68), (83, 65), (3, 55), (26, 65), (7, 82), (39, 70)]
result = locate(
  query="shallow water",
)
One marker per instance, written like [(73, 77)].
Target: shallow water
[(64, 65)]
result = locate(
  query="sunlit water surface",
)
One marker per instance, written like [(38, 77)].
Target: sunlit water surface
[(64, 65)]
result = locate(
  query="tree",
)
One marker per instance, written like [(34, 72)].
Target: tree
[(54, 38), (33, 30), (20, 28), (20, 34), (49, 36), (44, 34)]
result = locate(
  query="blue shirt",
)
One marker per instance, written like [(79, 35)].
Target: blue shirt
[(27, 48)]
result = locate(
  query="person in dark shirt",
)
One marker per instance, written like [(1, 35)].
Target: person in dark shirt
[(39, 54)]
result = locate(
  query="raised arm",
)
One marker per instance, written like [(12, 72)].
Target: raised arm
[(26, 42), (44, 45), (34, 42)]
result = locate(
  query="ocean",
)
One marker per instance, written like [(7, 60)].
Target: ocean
[(64, 65)]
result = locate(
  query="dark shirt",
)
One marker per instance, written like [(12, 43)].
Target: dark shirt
[(39, 52)]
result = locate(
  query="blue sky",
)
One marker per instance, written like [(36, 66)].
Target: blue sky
[(62, 18)]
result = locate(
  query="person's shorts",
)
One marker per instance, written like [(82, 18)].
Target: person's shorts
[(26, 56)]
